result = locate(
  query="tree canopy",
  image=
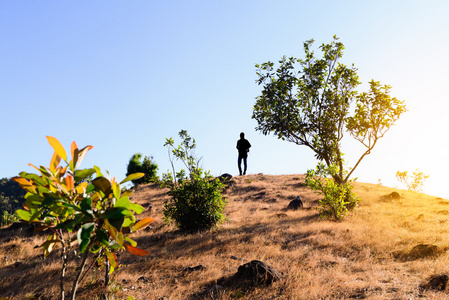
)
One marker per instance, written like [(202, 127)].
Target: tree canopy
[(314, 102)]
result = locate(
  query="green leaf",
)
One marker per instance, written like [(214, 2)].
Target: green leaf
[(116, 190), (129, 220), (86, 207), (117, 223), (72, 206), (102, 237), (37, 179), (103, 185), (98, 171), (50, 200), (33, 201), (84, 234), (80, 218), (131, 241), (90, 188), (24, 214), (116, 213), (83, 174), (132, 177), (138, 209), (123, 202)]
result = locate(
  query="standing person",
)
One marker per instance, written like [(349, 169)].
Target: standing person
[(243, 147)]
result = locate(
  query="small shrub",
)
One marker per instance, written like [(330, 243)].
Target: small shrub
[(148, 167), (8, 218), (413, 183), (338, 198), (195, 202)]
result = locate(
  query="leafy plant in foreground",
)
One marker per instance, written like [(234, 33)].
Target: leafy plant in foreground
[(64, 200), (413, 183), (195, 202)]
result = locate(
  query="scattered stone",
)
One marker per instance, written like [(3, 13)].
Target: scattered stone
[(17, 264), (390, 197), (237, 258), (254, 273), (143, 279), (295, 204), (197, 268), (437, 282), (281, 215), (260, 195), (420, 217)]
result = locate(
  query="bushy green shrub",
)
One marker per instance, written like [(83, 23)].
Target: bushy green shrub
[(148, 167), (195, 202), (338, 198)]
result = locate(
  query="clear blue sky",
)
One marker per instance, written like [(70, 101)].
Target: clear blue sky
[(124, 75)]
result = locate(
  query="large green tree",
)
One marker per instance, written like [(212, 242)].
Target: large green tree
[(314, 102)]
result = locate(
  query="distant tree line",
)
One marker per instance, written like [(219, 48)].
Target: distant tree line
[(11, 196)]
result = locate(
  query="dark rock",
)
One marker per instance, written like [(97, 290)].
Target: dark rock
[(236, 258), (390, 197), (295, 204), (420, 251), (197, 268), (437, 282), (424, 250), (225, 177), (143, 279), (254, 273)]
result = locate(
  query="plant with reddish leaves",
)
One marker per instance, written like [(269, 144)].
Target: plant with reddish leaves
[(64, 200)]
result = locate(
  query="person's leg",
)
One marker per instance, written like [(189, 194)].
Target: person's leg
[(244, 165), (239, 162)]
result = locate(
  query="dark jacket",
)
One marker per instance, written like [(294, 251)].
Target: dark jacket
[(243, 146)]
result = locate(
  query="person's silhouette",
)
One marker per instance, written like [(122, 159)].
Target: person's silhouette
[(243, 147)]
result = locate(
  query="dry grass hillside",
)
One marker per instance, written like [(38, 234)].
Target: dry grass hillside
[(385, 249)]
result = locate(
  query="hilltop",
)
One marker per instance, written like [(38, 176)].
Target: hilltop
[(384, 249)]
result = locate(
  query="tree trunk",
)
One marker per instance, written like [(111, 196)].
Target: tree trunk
[(106, 275), (77, 279), (64, 267)]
